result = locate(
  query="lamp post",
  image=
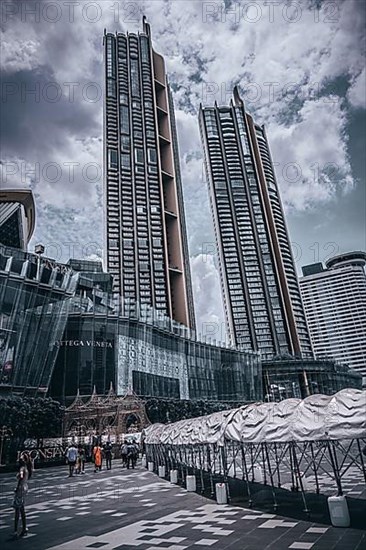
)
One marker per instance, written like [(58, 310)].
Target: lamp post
[(4, 433), (39, 250)]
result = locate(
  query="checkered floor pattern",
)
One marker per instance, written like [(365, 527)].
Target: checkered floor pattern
[(123, 510)]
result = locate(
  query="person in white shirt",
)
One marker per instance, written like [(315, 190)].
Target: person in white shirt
[(71, 455)]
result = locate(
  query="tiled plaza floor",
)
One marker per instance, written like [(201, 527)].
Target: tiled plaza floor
[(134, 509)]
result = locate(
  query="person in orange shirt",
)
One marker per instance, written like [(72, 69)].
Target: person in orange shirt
[(97, 453)]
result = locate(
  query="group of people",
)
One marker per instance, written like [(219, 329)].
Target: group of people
[(129, 453), (76, 457), (98, 453)]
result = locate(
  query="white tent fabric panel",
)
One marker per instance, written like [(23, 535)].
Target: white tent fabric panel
[(263, 422), (350, 415), (204, 429), (318, 417)]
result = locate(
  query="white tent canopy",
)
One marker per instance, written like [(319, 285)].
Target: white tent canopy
[(318, 417)]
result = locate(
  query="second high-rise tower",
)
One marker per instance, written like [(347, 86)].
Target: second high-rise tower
[(262, 299)]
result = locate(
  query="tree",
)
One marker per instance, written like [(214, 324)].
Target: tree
[(172, 410), (34, 417), (46, 417), (14, 413)]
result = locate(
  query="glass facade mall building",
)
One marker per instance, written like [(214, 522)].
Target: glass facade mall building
[(33, 314), (152, 358), (61, 331)]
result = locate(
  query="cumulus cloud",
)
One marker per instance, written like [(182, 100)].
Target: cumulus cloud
[(283, 80), (357, 91), (18, 55), (78, 238), (207, 297), (311, 157)]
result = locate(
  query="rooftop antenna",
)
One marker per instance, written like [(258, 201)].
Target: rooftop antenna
[(237, 99), (146, 26)]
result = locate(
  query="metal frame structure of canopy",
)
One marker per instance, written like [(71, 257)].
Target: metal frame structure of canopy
[(294, 444)]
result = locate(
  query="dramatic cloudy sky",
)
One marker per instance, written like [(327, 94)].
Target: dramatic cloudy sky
[(301, 70)]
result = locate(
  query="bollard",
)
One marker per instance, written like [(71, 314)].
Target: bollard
[(174, 476), (161, 471), (150, 466), (191, 483), (258, 474), (338, 511), (143, 461), (221, 496)]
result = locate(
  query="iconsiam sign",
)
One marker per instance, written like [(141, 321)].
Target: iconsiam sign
[(44, 454)]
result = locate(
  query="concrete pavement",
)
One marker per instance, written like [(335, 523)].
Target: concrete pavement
[(126, 509)]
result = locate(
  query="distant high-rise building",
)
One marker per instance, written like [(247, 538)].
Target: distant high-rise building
[(145, 240), (261, 294), (17, 217), (335, 306)]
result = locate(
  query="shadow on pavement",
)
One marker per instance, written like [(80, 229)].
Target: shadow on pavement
[(289, 504)]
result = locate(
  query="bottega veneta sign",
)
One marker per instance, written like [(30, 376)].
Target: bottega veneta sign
[(83, 343)]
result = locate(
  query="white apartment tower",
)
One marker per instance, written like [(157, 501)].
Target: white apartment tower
[(335, 306)]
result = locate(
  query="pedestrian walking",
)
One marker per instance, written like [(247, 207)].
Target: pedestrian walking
[(108, 455), (132, 452), (24, 473), (80, 464), (98, 458), (71, 455), (124, 453)]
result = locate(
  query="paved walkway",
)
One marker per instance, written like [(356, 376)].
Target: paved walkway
[(128, 509)]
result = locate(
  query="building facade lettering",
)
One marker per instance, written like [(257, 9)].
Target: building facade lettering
[(82, 343)]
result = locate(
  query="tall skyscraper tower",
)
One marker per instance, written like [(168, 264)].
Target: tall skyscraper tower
[(261, 295), (335, 306), (145, 241)]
